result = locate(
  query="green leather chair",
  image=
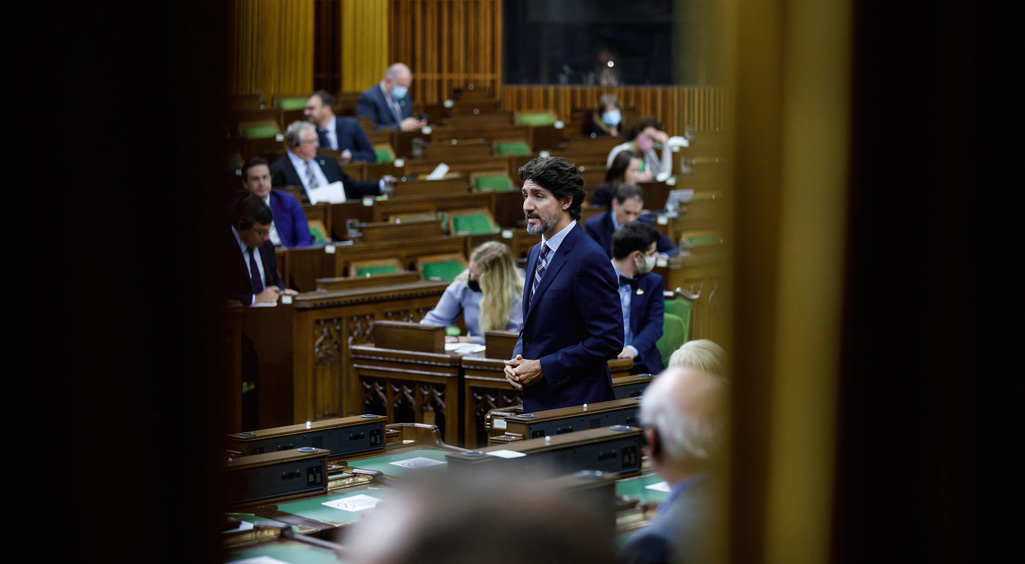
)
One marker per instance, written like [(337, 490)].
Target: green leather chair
[(516, 148), (447, 270), (374, 270), (542, 118), (473, 224), (493, 183)]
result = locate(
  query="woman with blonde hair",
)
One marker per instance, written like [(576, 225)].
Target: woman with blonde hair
[(487, 294)]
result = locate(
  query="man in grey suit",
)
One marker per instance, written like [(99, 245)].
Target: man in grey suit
[(683, 412)]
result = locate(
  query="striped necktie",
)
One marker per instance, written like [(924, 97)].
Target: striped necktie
[(542, 263), (311, 177)]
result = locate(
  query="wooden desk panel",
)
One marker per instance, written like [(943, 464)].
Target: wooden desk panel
[(484, 389), (702, 275), (303, 348), (408, 387), (405, 251)]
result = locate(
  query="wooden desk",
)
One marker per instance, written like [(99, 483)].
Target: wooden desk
[(302, 267), (408, 387), (303, 348)]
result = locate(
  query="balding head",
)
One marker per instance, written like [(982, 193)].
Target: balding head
[(684, 412), (496, 517)]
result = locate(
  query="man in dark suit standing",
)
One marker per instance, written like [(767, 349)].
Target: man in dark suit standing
[(572, 322), (627, 205), (302, 166), (251, 275), (640, 294), (387, 103), (343, 134), (683, 412)]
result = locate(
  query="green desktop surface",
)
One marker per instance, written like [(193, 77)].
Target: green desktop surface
[(250, 518), (338, 508), (402, 463), (637, 488), (292, 552)]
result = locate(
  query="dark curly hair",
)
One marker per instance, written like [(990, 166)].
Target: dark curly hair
[(558, 176)]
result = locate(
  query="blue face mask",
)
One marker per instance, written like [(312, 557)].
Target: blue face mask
[(612, 118), (399, 92)]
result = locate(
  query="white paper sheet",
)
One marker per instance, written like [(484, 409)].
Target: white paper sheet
[(418, 462), (353, 503), (333, 193)]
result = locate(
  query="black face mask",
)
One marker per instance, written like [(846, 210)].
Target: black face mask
[(473, 285)]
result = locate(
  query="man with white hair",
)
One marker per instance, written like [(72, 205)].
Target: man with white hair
[(683, 414), (302, 166), (388, 104)]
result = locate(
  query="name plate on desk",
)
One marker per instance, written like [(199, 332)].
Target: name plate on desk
[(577, 418), (275, 474), (342, 436), (402, 335), (615, 449)]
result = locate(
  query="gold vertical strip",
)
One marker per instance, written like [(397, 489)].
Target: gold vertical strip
[(364, 43), (272, 47)]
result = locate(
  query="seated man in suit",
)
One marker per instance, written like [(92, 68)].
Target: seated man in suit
[(572, 323), (683, 412), (251, 275), (387, 103), (640, 294), (343, 134), (627, 203), (289, 228), (302, 166)]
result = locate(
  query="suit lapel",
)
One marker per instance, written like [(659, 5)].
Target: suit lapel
[(554, 266)]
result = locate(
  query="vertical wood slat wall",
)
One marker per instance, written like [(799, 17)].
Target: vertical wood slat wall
[(365, 31), (270, 47), (677, 107), (447, 44)]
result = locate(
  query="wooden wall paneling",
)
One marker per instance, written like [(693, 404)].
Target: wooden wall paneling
[(700, 107), (271, 47), (365, 29), (447, 44)]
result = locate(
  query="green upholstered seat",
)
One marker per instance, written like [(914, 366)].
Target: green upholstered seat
[(317, 234), (259, 131), (673, 335), (495, 183), (543, 118), (681, 308), (517, 148), (473, 224), (453, 331), (447, 270), (374, 270), (700, 240), (298, 103), (384, 155)]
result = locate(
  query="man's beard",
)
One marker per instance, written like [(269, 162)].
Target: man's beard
[(542, 226)]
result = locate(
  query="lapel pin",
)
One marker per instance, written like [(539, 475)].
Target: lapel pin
[(640, 292)]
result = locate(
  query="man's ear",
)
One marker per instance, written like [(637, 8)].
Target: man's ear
[(566, 202), (654, 444)]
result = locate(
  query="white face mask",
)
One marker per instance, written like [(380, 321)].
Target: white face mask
[(646, 266), (612, 118)]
